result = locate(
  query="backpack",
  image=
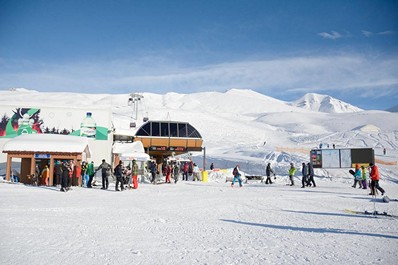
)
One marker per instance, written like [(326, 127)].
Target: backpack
[(235, 172)]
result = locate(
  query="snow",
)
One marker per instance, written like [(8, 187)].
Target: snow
[(48, 143), (196, 223), (324, 103), (212, 223)]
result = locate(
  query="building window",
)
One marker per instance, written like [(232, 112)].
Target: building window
[(164, 129), (182, 130), (155, 129), (145, 130), (173, 130), (192, 132)]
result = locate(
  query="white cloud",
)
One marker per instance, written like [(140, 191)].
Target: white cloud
[(367, 33), (388, 32), (333, 35), (282, 76)]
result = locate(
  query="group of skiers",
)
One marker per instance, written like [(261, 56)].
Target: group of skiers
[(361, 178)]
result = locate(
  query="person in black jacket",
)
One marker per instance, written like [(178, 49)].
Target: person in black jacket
[(66, 169), (106, 172), (268, 172), (310, 179), (119, 176), (304, 172)]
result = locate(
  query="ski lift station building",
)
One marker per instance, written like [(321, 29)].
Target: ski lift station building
[(165, 138)]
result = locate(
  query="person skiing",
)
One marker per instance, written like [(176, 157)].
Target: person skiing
[(375, 177), (292, 171), (106, 172), (357, 176), (196, 172), (237, 174), (268, 172), (304, 173), (168, 173), (119, 176), (310, 176)]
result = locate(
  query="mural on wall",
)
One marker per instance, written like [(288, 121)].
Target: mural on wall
[(54, 121)]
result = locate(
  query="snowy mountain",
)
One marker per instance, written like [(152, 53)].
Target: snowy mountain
[(244, 126), (393, 109), (324, 103)]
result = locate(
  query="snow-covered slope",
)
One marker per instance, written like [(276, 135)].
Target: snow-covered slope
[(324, 103)]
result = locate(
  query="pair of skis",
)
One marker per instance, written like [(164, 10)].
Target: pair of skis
[(374, 213)]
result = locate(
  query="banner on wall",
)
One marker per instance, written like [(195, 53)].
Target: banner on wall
[(90, 123), (341, 158)]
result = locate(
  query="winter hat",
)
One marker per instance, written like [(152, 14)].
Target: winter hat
[(371, 164)]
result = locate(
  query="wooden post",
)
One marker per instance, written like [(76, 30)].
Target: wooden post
[(8, 168), (51, 180)]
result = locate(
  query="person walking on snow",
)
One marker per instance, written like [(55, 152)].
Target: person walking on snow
[(237, 174), (375, 177), (310, 176), (268, 172), (304, 173), (292, 171), (357, 176)]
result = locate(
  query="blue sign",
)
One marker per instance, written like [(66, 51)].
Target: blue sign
[(42, 156)]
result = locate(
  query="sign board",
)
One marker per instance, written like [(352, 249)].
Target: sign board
[(42, 156), (341, 158), (88, 122)]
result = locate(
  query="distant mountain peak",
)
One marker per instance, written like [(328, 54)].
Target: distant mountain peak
[(324, 103), (393, 109)]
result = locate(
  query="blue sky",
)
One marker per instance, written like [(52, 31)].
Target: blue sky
[(284, 49)]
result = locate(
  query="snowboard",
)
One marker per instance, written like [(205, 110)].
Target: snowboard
[(352, 172)]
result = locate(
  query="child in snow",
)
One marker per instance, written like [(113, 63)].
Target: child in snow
[(357, 177)]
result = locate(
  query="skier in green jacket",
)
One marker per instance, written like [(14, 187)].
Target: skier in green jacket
[(292, 171)]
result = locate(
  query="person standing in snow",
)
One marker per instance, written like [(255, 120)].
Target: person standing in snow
[(304, 173), (185, 169), (310, 177), (134, 173), (268, 172), (106, 172), (237, 174), (176, 172), (292, 171), (384, 151), (90, 172), (211, 166), (58, 173), (364, 178), (154, 171), (65, 176), (375, 177), (45, 174), (357, 176), (83, 173), (196, 172), (119, 176)]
